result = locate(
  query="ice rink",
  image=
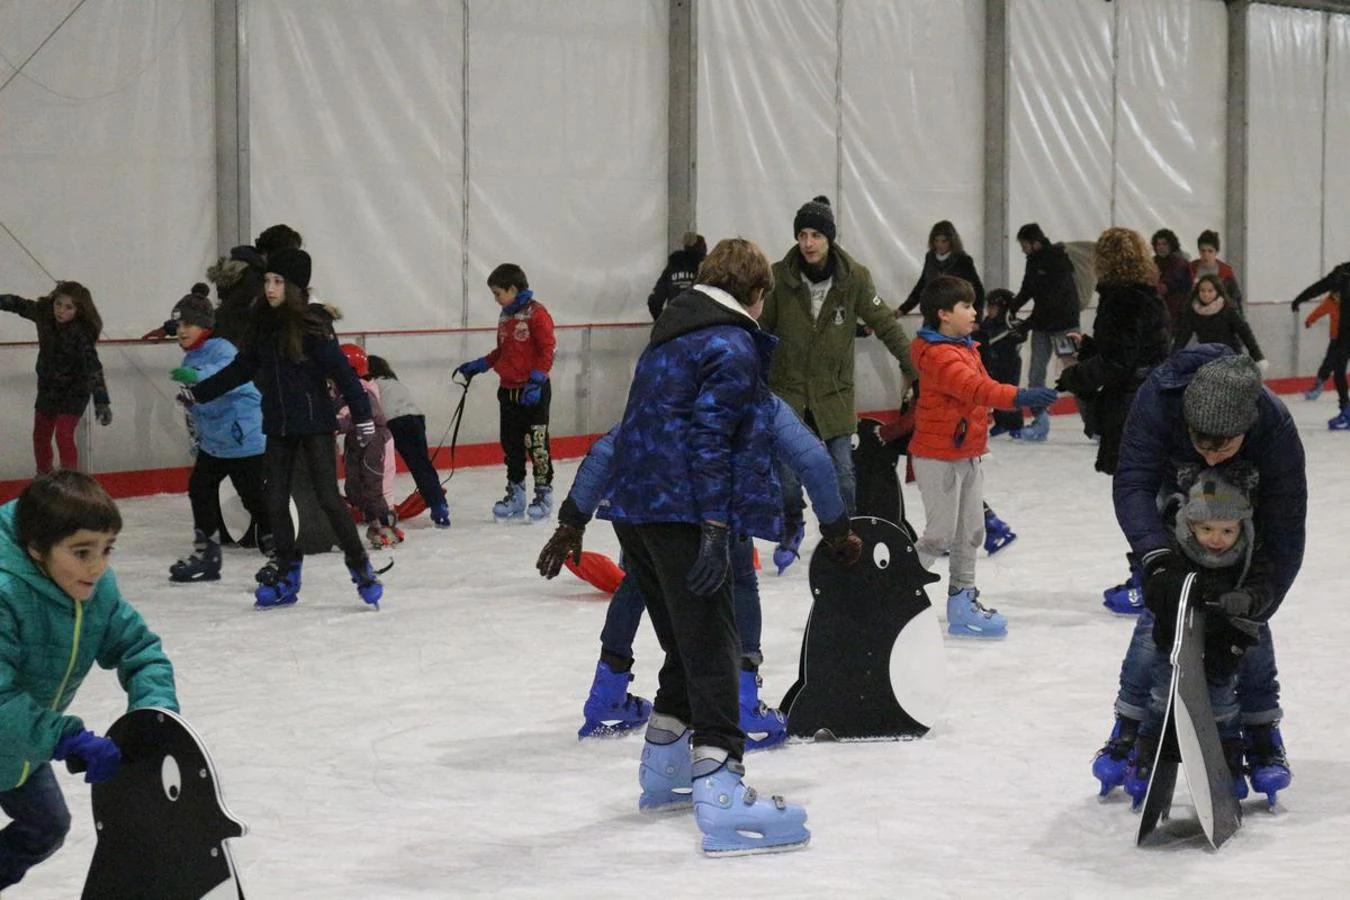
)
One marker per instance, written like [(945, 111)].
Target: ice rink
[(429, 749)]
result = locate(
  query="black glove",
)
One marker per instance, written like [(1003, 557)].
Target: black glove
[(566, 541), (841, 546), (1071, 381), (714, 561), (1164, 574), (1294, 305), (1226, 639)]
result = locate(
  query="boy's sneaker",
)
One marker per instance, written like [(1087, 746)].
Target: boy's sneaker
[(202, 565), (512, 506), (278, 585), (1267, 763), (1110, 763), (542, 505), (440, 514), (967, 617), (367, 582), (610, 710)]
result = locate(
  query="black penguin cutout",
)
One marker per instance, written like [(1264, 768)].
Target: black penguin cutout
[(872, 660), (160, 820), (878, 483)]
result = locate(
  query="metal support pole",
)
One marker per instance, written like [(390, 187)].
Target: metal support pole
[(995, 142), (231, 96), (682, 122)]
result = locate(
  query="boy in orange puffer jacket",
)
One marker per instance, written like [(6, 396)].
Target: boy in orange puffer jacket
[(1330, 306), (951, 433)]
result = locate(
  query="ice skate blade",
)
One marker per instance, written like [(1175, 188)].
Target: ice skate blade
[(771, 740), (279, 604), (716, 849), (608, 730), (998, 545), (193, 579), (961, 631)]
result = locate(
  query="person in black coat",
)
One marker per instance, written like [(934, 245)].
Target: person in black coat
[(945, 256), (680, 273), (1049, 283), (1211, 317), (1000, 351), (1129, 338), (1337, 281)]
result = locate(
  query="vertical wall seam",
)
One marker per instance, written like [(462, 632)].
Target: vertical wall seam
[(464, 168), (1326, 112), (839, 108), (1115, 112)]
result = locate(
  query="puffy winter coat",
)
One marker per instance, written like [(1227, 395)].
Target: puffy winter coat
[(68, 367), (1049, 282), (48, 644), (1157, 445), (813, 365), (294, 394), (951, 420), (228, 427), (525, 342), (958, 265), (695, 441)]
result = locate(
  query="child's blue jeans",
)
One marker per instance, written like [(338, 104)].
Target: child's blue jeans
[(40, 824)]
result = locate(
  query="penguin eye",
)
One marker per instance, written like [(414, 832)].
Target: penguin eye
[(171, 778), (853, 440), (881, 555)]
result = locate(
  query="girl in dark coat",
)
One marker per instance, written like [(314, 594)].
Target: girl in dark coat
[(68, 368), (1212, 318), (1129, 338), (945, 256)]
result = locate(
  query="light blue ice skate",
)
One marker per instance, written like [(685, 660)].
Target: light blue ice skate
[(512, 506), (967, 617), (666, 771), (1038, 429), (736, 821), (541, 507)]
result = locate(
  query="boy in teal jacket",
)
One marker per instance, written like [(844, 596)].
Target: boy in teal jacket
[(60, 612)]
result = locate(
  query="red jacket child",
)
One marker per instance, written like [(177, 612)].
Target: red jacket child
[(952, 417), (525, 342)]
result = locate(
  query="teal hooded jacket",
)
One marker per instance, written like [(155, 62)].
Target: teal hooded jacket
[(49, 642)]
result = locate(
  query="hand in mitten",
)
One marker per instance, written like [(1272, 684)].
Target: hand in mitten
[(1035, 397), (103, 412), (565, 542), (531, 393), (98, 757), (1164, 574), (840, 545), (714, 560), (185, 375), (365, 433), (471, 368)]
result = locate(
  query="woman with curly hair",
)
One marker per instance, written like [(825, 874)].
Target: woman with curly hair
[(1129, 338)]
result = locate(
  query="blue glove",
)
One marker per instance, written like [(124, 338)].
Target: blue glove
[(714, 561), (365, 433), (185, 375), (530, 394), (472, 367), (97, 756), (1035, 398)]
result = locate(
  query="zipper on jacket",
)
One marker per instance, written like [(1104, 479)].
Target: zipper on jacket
[(65, 680)]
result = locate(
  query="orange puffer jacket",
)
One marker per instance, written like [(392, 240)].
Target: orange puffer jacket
[(955, 395)]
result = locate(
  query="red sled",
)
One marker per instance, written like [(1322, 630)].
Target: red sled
[(413, 505), (596, 569)]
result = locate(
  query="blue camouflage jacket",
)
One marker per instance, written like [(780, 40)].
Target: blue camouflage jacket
[(695, 440), (228, 427), (1156, 444)]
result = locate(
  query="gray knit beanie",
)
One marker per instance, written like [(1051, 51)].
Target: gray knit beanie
[(1221, 399)]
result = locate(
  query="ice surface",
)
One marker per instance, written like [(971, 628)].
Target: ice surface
[(429, 749)]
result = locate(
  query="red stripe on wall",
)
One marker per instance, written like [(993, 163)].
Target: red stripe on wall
[(146, 482)]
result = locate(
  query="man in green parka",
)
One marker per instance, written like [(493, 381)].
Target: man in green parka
[(820, 294), (60, 612)]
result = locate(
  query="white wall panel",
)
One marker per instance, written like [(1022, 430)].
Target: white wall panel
[(356, 141), (567, 158), (1060, 112), (1284, 179), (766, 116), (1171, 85), (913, 127)]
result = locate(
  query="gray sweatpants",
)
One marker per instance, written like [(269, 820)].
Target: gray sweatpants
[(953, 512)]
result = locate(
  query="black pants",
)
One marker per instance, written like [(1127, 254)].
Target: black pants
[(410, 440), (699, 681), (1338, 354), (524, 432), (321, 458), (248, 474)]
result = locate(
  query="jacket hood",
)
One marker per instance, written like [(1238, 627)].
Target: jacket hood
[(1177, 370), (15, 561), (700, 307)]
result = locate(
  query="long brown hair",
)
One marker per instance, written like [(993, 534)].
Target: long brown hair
[(288, 324), (86, 312), (1122, 257), (948, 230)]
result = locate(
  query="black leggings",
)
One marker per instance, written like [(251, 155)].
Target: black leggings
[(1338, 354), (321, 457), (248, 474)]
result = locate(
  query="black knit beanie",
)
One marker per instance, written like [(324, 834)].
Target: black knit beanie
[(816, 215)]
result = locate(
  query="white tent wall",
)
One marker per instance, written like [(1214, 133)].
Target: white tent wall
[(1336, 183), (107, 177)]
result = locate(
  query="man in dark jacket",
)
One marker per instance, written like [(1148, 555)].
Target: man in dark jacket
[(1049, 283), (1206, 406)]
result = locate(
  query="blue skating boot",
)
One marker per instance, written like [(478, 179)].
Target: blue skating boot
[(764, 726), (440, 514), (1340, 422), (367, 582), (1038, 429), (1313, 392), (1267, 763), (734, 819), (967, 617), (1232, 754), (610, 710), (666, 772), (1127, 598), (997, 534), (1140, 768), (278, 585), (787, 552), (512, 506), (1110, 763), (202, 565), (542, 505)]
